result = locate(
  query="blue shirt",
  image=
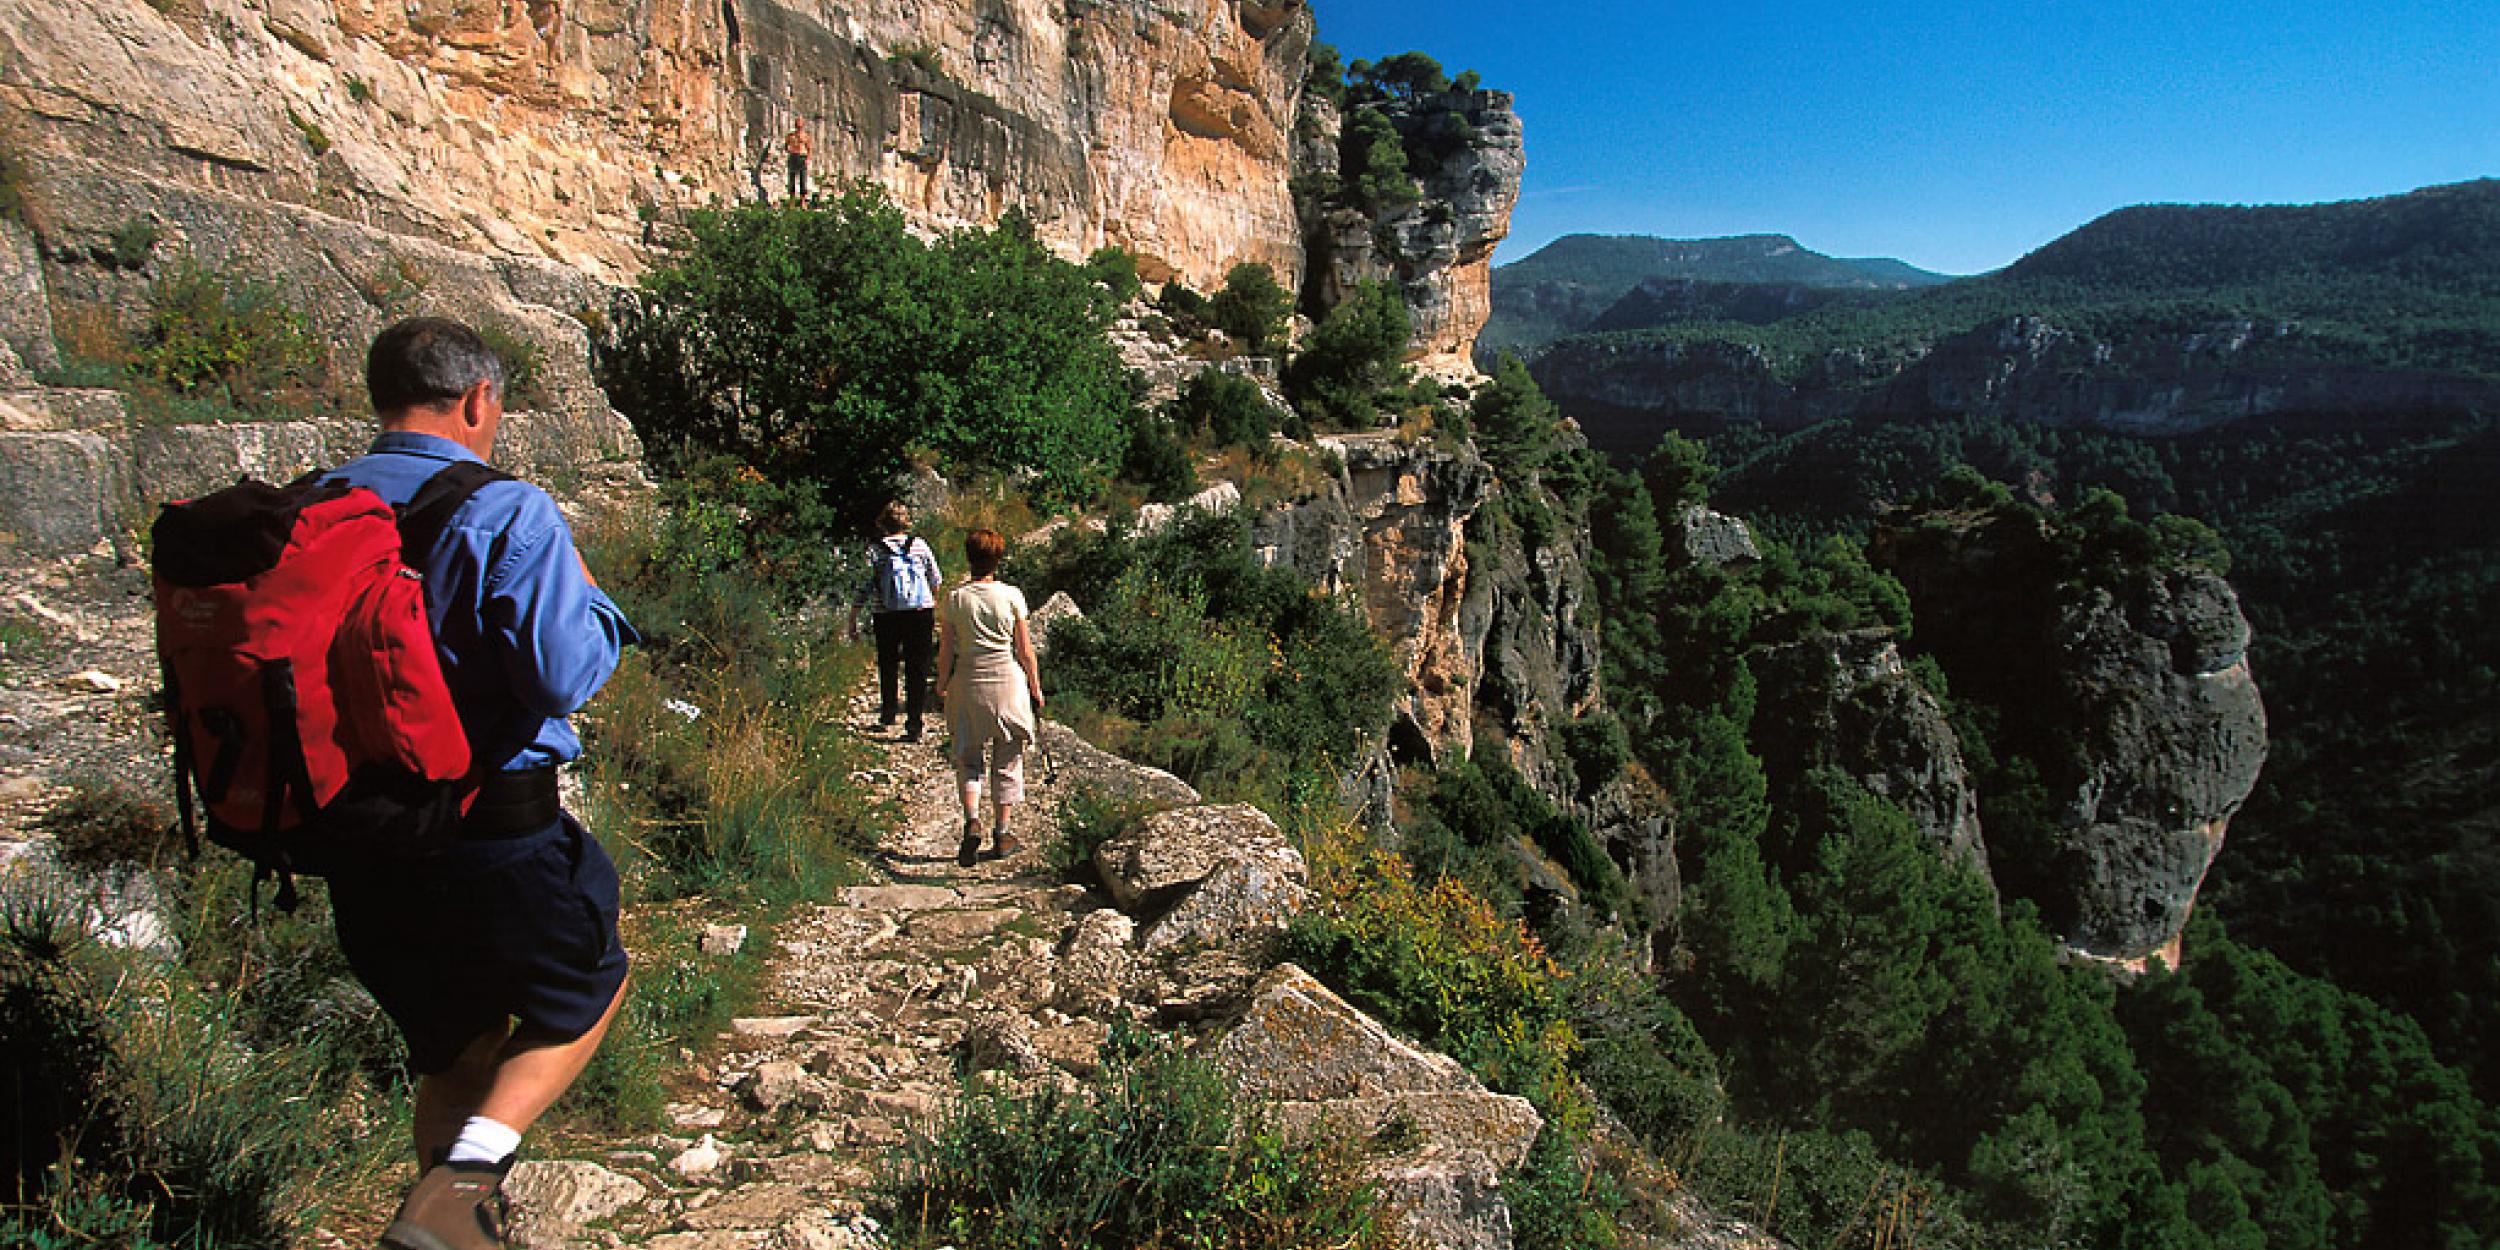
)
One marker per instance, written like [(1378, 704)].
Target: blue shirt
[(525, 639)]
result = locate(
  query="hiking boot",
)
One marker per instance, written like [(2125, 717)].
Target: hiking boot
[(1004, 844), (455, 1206), (968, 852)]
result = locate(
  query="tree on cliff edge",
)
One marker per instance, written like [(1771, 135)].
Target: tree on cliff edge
[(826, 346)]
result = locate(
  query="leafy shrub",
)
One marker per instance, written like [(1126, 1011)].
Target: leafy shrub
[(1350, 358), (1237, 674), (1115, 268), (314, 137), (1157, 461), (1184, 306), (524, 365), (1252, 307), (1090, 817), (133, 242), (1153, 1152), (359, 90), (821, 345), (1228, 408), (229, 337)]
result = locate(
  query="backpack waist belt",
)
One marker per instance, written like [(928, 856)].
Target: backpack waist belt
[(512, 804)]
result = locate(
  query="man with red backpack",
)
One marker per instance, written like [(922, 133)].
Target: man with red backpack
[(497, 958)]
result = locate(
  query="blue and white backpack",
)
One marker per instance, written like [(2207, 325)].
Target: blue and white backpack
[(902, 580)]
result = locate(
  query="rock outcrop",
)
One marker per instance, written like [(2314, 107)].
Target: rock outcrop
[(1327, 1067), (2132, 698), (1849, 701), (1438, 250)]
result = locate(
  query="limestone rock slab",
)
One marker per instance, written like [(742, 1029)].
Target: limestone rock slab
[(1243, 902), (1169, 853), (57, 492)]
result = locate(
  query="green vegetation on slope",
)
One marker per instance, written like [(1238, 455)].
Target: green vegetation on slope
[(1858, 989)]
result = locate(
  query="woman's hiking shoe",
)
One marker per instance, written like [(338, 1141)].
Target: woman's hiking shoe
[(455, 1206), (969, 852), (1005, 844)]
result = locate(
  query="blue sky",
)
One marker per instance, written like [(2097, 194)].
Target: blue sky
[(1955, 136)]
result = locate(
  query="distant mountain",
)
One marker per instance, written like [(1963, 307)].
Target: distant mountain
[(2443, 234), (1569, 284), (2161, 319)]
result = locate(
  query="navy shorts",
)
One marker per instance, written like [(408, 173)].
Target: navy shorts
[(489, 932)]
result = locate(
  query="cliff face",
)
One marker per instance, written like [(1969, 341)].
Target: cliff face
[(2133, 701), (1625, 394), (1439, 250), (1496, 634), (559, 130)]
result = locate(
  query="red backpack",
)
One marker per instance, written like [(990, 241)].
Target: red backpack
[(306, 699)]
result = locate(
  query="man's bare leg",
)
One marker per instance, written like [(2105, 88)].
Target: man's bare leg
[(509, 1080)]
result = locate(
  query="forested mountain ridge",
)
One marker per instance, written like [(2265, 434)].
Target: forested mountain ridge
[(1572, 283), (2160, 319)]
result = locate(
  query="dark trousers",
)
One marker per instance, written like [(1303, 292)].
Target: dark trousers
[(906, 643), (798, 176)]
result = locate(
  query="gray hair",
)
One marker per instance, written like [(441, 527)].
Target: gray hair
[(427, 360)]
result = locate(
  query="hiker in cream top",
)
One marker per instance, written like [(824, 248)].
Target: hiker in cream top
[(993, 685)]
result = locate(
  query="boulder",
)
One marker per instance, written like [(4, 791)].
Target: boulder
[(554, 1200), (1075, 761), (1298, 1045), (1448, 1202), (778, 1084), (1714, 537), (1059, 607), (1150, 867), (58, 493), (1244, 902), (1093, 972)]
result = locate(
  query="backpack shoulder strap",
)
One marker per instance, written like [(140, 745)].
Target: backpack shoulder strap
[(421, 522)]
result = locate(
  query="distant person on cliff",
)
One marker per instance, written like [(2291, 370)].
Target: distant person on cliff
[(498, 959), (799, 147), (900, 595), (993, 689)]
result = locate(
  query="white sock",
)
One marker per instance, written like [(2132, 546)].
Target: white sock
[(484, 1141)]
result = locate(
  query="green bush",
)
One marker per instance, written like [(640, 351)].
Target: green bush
[(1153, 1152), (1233, 675), (227, 337), (133, 242), (1184, 306), (314, 137), (822, 345), (1252, 308), (524, 365), (165, 1103), (1116, 269), (1228, 408), (1157, 461), (1351, 357), (1090, 817)]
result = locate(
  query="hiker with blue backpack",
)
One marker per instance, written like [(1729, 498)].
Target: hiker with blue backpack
[(900, 594)]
